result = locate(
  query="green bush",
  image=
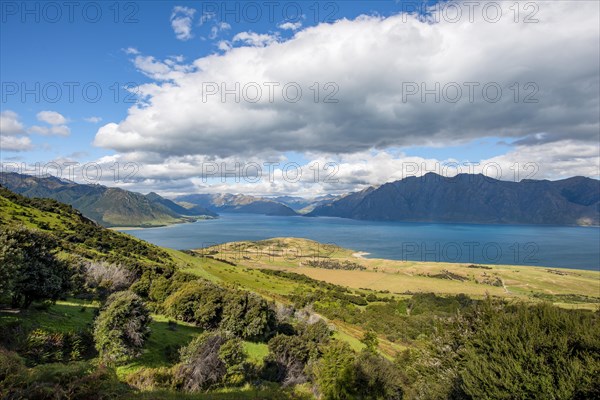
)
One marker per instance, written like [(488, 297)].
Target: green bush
[(42, 346), (500, 351), (342, 374), (211, 361), (122, 327), (30, 270), (248, 316), (11, 365), (197, 302), (152, 378), (525, 351), (334, 372), (73, 381)]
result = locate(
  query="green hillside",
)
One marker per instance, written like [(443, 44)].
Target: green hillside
[(106, 205), (89, 313)]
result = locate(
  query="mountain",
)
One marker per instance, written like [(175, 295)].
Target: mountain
[(192, 210), (473, 199), (107, 206), (238, 203), (303, 205)]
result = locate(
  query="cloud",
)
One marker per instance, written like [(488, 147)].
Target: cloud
[(255, 39), (553, 160), (10, 124), (12, 133), (14, 143), (217, 28), (51, 117), (181, 22), (343, 173), (131, 50), (93, 120), (292, 26), (169, 69), (55, 130), (56, 121), (207, 16), (368, 63)]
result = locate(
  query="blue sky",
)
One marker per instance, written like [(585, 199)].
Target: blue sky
[(138, 43), (90, 51)]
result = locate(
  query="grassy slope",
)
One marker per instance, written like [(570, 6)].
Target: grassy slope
[(74, 314)]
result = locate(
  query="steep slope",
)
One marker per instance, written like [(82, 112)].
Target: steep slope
[(474, 198), (107, 206), (238, 203)]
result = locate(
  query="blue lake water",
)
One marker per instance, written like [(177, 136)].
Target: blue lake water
[(552, 246)]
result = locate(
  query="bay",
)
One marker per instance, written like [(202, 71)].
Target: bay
[(551, 246)]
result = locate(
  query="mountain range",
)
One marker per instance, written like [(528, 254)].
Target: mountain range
[(105, 205), (473, 199), (430, 198), (237, 203)]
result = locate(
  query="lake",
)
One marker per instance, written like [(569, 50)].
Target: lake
[(552, 246)]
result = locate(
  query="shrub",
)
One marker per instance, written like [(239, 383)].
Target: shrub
[(334, 372), (196, 302), (235, 358), (376, 378), (248, 316), (152, 378), (73, 381), (30, 271), (342, 374), (528, 351), (42, 346), (11, 365), (107, 278), (122, 327), (211, 361), (287, 359)]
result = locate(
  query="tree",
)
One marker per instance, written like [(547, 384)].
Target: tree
[(122, 327), (334, 372), (29, 268)]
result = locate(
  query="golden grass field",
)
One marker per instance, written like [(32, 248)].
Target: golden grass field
[(564, 287)]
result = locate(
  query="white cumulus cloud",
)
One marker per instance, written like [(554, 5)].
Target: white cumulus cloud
[(181, 22), (292, 26), (51, 117), (371, 66), (12, 133)]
